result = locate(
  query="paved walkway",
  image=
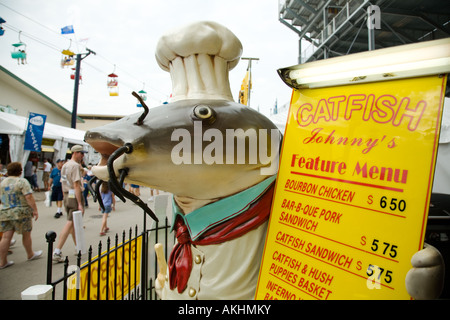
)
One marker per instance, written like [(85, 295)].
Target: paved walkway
[(23, 274)]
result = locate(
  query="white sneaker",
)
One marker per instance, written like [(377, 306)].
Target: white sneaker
[(58, 257)]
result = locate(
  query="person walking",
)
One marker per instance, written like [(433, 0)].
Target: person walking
[(152, 198), (109, 203), (28, 172), (19, 207), (54, 184), (46, 173), (134, 189), (34, 178), (87, 176), (72, 186)]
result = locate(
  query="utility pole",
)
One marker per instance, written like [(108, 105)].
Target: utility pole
[(77, 83), (249, 68)]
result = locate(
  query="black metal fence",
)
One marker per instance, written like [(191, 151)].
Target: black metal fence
[(126, 269)]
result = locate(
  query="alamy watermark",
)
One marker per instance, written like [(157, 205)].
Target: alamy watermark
[(235, 146)]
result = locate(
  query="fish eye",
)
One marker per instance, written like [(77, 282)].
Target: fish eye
[(203, 112)]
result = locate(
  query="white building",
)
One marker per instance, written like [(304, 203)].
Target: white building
[(17, 99)]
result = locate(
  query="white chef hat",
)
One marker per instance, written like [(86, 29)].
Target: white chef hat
[(198, 57)]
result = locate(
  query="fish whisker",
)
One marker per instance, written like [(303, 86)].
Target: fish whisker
[(117, 186), (91, 188), (140, 120)]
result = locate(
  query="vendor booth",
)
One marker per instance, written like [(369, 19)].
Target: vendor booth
[(62, 138)]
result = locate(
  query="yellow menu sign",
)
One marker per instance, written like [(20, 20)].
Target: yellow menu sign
[(353, 188)]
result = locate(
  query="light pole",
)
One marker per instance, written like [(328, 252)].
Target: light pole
[(77, 83)]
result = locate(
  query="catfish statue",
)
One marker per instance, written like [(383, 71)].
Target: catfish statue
[(219, 159)]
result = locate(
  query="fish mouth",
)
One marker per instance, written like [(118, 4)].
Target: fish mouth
[(105, 149), (109, 154)]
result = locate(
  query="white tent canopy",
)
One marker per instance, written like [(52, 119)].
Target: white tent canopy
[(14, 126)]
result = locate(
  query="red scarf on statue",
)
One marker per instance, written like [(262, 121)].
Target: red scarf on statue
[(180, 260)]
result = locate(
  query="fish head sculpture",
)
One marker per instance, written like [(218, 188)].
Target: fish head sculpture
[(202, 145), (202, 149)]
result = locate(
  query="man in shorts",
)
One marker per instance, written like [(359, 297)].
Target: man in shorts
[(46, 174), (72, 185)]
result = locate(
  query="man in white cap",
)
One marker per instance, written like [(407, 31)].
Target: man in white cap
[(71, 180)]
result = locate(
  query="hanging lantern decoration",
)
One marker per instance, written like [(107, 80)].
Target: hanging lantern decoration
[(19, 52), (113, 84), (143, 95), (67, 59), (2, 31), (72, 76), (167, 102)]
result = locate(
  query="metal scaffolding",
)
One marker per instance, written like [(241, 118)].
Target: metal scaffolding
[(329, 28)]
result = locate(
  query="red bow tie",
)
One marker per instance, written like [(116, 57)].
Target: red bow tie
[(180, 260)]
